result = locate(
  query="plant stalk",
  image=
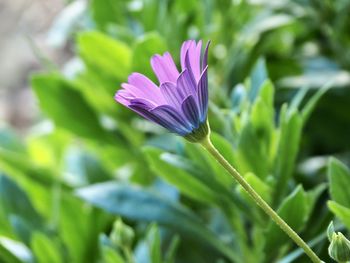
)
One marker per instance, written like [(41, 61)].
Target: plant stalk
[(207, 144)]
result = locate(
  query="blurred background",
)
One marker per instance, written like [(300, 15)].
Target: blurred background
[(23, 24), (83, 179), (305, 42)]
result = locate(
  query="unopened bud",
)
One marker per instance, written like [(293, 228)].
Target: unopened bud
[(339, 249), (122, 235)]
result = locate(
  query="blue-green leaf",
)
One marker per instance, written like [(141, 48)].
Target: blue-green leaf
[(142, 205)]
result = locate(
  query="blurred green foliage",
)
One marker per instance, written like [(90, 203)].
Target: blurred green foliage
[(92, 182)]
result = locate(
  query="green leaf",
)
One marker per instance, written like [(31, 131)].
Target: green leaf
[(171, 251), (185, 182), (311, 104), (258, 77), (110, 255), (266, 93), (339, 180), (314, 194), (88, 223), (106, 12), (256, 137), (138, 204), (287, 150), (297, 99), (84, 168), (295, 211), (98, 90), (238, 98), (154, 244), (66, 106), (14, 252), (45, 249), (201, 158), (107, 55), (14, 201), (256, 133), (266, 22), (251, 152), (210, 167), (220, 183), (22, 165), (21, 228), (342, 212)]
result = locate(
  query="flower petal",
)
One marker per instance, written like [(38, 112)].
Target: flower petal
[(186, 83), (171, 94), (140, 80), (184, 49), (144, 87), (205, 57), (171, 119), (146, 104), (139, 109), (164, 68), (123, 97), (194, 57), (133, 91), (190, 110), (203, 95), (196, 60), (140, 106)]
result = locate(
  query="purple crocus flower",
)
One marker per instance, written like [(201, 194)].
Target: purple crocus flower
[(180, 104)]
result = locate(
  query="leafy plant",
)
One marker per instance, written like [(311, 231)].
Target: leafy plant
[(87, 163)]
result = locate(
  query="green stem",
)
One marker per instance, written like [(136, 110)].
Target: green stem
[(207, 144)]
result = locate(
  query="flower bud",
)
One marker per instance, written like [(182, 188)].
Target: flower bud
[(330, 231), (122, 235), (339, 249)]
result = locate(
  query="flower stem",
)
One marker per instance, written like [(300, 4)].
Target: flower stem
[(207, 144)]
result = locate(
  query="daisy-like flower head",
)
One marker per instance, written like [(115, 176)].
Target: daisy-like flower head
[(180, 103)]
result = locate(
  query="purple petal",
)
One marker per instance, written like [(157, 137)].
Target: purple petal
[(146, 104), (205, 57), (190, 110), (189, 69), (184, 49), (133, 91), (138, 79), (171, 119), (130, 91), (164, 68), (143, 87), (186, 83), (140, 109), (194, 57), (171, 94), (140, 106), (203, 94), (123, 97)]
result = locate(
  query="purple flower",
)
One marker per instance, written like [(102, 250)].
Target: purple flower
[(180, 104)]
